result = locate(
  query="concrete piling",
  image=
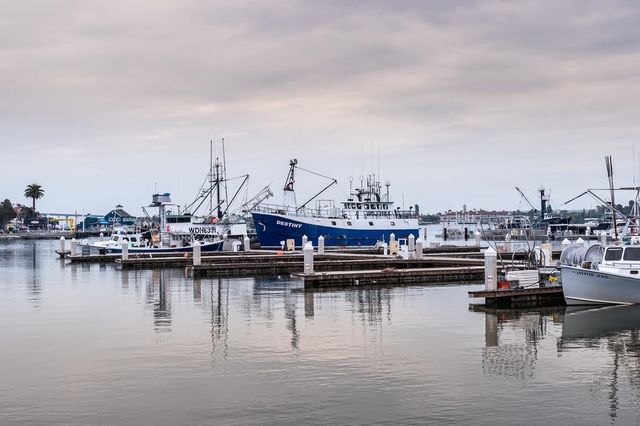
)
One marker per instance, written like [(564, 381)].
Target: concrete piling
[(125, 250), (197, 254), (74, 245), (304, 241), (61, 247), (419, 248), (490, 269), (308, 258), (320, 244), (246, 242)]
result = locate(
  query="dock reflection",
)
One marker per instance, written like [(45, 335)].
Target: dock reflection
[(512, 338)]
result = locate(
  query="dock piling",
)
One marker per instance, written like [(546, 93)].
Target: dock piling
[(74, 245), (304, 242), (125, 250), (62, 248), (419, 248), (412, 243), (490, 269), (197, 254), (308, 257), (320, 244), (477, 235), (246, 243)]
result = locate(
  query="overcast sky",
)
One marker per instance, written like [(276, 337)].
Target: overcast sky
[(99, 101)]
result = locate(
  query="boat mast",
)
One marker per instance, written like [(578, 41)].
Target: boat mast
[(218, 210), (224, 171), (289, 182), (607, 160), (210, 176)]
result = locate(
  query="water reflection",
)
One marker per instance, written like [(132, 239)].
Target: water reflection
[(372, 305), (156, 297), (219, 305), (616, 329), (34, 290), (512, 339)]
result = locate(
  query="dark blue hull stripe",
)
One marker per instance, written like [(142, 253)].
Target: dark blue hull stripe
[(270, 234)]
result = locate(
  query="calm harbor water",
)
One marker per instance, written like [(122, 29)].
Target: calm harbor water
[(90, 344)]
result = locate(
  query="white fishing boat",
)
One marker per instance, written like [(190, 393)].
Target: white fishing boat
[(601, 275), (160, 240)]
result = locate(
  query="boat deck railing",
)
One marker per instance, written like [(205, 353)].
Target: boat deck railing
[(335, 212)]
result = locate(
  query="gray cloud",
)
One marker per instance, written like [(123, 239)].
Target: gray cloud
[(460, 93)]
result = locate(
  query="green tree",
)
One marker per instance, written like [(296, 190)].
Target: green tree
[(35, 192), (7, 213)]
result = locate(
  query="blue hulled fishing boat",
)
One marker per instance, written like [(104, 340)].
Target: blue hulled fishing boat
[(365, 218)]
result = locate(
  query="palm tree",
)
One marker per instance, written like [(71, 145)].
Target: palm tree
[(35, 192)]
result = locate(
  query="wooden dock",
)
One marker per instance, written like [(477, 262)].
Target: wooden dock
[(521, 297), (412, 276)]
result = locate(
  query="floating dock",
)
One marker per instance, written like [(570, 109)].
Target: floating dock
[(521, 297), (466, 274)]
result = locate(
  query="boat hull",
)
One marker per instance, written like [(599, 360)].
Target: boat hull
[(273, 228), (205, 247), (589, 287)]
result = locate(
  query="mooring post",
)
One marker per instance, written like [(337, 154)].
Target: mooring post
[(320, 244), (507, 241), (419, 246), (74, 245), (304, 241), (412, 243), (308, 257), (603, 238), (490, 269), (61, 247), (246, 243), (546, 252), (197, 253), (385, 249), (125, 250), (477, 235)]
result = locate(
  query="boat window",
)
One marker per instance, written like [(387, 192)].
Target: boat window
[(333, 222), (385, 206), (393, 223), (359, 206), (366, 206), (134, 239), (116, 238), (613, 253), (348, 223), (370, 223), (632, 253)]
